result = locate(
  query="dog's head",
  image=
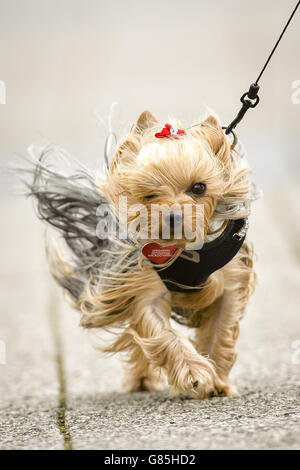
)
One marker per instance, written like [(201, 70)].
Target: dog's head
[(167, 188)]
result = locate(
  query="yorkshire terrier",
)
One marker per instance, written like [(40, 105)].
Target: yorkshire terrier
[(128, 270)]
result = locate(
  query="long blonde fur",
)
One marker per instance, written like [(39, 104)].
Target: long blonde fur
[(128, 293)]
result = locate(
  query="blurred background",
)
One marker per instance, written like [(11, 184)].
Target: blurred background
[(64, 62)]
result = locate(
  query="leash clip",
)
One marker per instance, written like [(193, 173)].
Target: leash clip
[(250, 99), (234, 137)]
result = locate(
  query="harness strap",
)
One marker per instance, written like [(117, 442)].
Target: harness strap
[(191, 269)]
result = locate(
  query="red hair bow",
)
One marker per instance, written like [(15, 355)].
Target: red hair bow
[(169, 130)]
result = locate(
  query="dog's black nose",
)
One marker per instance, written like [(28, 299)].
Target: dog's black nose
[(173, 218)]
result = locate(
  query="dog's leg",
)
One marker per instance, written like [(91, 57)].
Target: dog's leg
[(216, 338), (167, 349), (219, 328), (139, 375)]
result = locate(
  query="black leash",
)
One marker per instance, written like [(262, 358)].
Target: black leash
[(250, 99)]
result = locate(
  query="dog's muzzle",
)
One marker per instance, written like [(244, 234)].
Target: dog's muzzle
[(173, 219)]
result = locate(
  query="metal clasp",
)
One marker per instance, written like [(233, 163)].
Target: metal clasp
[(250, 99)]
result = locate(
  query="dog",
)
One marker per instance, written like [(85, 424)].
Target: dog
[(199, 274)]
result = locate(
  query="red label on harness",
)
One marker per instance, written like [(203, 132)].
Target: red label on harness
[(158, 254)]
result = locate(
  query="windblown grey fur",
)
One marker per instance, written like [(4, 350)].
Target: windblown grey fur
[(70, 204)]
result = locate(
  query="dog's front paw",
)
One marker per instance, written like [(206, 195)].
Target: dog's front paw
[(196, 380), (203, 390), (214, 389)]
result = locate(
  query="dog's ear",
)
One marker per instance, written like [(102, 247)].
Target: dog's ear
[(130, 147), (214, 133), (145, 121), (211, 130), (126, 151)]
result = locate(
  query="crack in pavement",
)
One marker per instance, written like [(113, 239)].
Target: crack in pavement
[(53, 313)]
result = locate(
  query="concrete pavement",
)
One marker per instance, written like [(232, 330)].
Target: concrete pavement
[(58, 392)]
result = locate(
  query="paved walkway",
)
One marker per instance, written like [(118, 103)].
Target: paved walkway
[(57, 392)]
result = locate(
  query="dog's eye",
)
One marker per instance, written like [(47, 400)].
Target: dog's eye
[(149, 197), (198, 189)]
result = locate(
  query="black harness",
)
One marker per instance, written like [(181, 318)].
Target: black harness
[(192, 268)]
